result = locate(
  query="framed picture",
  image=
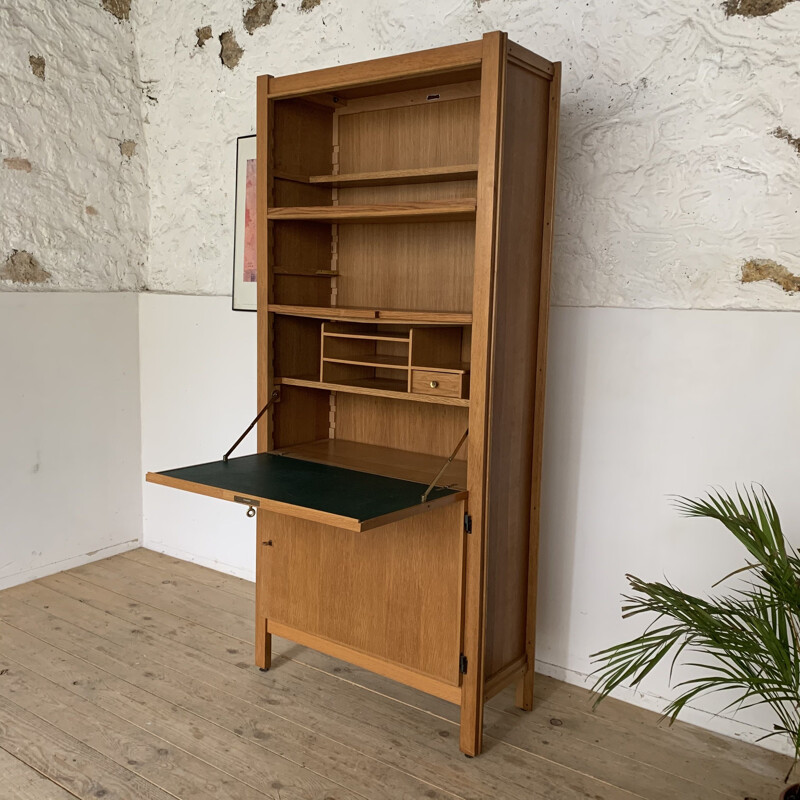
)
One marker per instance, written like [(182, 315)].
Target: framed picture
[(244, 246)]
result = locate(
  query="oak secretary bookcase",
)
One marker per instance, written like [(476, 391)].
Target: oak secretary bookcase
[(405, 211)]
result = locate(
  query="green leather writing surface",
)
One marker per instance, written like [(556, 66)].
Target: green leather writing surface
[(334, 490)]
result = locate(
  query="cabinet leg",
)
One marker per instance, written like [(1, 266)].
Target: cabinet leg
[(525, 691), (471, 727), (263, 645)]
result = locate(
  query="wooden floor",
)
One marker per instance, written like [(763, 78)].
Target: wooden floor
[(133, 678)]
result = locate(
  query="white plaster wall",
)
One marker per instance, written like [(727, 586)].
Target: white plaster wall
[(640, 404), (670, 177), (70, 460), (69, 127), (198, 384)]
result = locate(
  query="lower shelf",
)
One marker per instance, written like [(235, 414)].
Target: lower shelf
[(388, 461), (377, 387)]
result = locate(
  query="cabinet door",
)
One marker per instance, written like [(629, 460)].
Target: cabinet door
[(394, 595)]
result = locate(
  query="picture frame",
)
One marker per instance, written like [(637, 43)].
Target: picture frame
[(244, 245)]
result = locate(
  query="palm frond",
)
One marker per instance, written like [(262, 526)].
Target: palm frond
[(749, 640)]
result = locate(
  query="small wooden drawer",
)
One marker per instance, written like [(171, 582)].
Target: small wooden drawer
[(444, 384)]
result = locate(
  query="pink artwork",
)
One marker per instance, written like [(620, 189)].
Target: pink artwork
[(250, 223)]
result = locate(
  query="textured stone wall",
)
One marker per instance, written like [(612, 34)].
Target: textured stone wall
[(680, 144), (73, 167), (679, 138)]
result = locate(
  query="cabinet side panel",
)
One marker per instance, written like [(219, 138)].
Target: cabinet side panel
[(523, 168)]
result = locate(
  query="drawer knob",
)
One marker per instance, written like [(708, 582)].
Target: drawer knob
[(434, 384)]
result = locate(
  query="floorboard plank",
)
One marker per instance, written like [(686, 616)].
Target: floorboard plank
[(67, 761), (149, 756), (21, 782), (400, 736), (176, 567), (683, 749), (152, 637), (228, 732)]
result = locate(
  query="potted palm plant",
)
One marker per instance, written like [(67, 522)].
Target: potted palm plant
[(751, 633)]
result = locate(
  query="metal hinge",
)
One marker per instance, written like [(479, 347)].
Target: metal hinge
[(462, 664), (467, 523)]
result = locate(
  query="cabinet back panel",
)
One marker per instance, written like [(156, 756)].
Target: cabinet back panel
[(302, 134), (296, 346), (419, 427), (439, 133), (300, 247), (423, 266), (407, 192), (394, 592), (302, 415)]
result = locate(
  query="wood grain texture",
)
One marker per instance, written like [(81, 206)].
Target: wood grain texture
[(395, 69), (492, 79), (420, 211), (393, 596), (373, 389), (432, 429), (525, 685), (21, 782), (380, 460), (416, 136), (67, 760), (389, 177), (515, 330), (390, 316), (165, 633)]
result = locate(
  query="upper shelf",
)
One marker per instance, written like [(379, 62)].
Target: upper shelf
[(361, 314), (458, 172), (418, 211)]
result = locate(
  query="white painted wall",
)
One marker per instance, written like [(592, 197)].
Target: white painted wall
[(198, 380), (670, 177), (82, 209), (70, 460), (640, 404)]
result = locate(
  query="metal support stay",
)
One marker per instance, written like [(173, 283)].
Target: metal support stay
[(273, 398), (446, 465)]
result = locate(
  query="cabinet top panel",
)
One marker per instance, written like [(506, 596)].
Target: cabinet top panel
[(393, 73)]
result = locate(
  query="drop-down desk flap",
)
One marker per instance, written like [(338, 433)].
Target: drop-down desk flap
[(344, 498)]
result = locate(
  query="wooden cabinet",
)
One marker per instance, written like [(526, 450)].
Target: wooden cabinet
[(405, 213)]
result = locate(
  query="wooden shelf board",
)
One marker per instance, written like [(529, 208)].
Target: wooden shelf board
[(378, 360), (460, 369), (373, 314), (388, 336), (345, 498), (324, 312), (377, 460), (419, 211), (375, 387), (459, 172), (296, 273), (389, 177)]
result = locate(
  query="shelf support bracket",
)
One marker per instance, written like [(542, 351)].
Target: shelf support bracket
[(445, 466), (273, 398)]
